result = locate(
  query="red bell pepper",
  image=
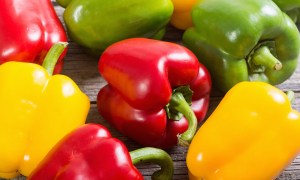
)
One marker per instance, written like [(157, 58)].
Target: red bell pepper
[(28, 29), (90, 152), (151, 84)]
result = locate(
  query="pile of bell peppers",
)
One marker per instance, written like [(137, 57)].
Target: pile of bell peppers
[(157, 92)]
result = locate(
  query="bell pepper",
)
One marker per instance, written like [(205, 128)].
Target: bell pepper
[(96, 24), (252, 134), (90, 152), (287, 5), (250, 40), (291, 7), (151, 85), (28, 30), (181, 17), (37, 110)]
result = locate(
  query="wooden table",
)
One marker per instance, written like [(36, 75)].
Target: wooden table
[(82, 68)]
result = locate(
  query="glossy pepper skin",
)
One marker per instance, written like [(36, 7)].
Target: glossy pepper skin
[(141, 75), (92, 153), (250, 40), (96, 24), (28, 29), (181, 17), (37, 110), (287, 4), (253, 134)]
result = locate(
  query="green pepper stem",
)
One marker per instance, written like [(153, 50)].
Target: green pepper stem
[(179, 103), (53, 55), (291, 96), (262, 56), (157, 156)]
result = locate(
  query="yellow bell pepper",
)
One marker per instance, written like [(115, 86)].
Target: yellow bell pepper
[(181, 17), (253, 134), (37, 110)]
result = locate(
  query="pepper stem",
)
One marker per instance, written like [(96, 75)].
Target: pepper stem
[(157, 156), (262, 56), (53, 55), (179, 103), (291, 96)]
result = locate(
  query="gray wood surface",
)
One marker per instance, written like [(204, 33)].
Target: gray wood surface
[(82, 68)]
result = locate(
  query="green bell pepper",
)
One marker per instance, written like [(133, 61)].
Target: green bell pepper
[(291, 7), (287, 4), (96, 24), (244, 40)]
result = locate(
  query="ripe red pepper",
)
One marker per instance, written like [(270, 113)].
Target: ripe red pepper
[(90, 152), (28, 29), (147, 91)]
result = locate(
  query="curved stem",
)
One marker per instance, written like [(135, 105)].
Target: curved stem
[(157, 156), (179, 103), (53, 55), (262, 56)]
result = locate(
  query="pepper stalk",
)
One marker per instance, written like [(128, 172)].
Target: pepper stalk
[(180, 105), (154, 155), (53, 55)]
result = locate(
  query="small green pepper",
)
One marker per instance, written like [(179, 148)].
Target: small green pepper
[(96, 24)]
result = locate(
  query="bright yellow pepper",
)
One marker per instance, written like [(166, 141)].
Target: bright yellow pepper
[(253, 134), (181, 17), (37, 110)]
